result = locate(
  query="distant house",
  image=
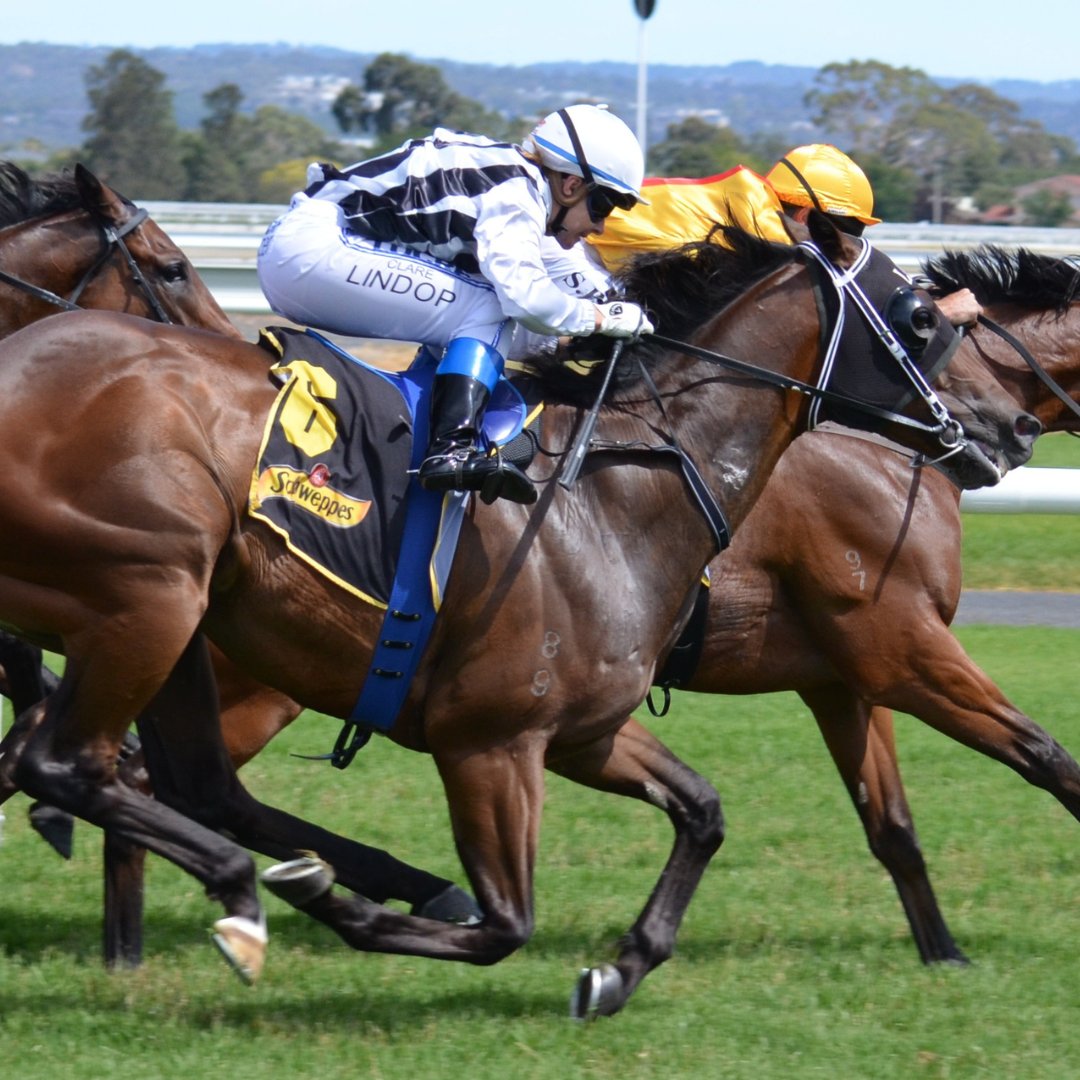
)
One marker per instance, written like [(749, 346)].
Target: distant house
[(1068, 186)]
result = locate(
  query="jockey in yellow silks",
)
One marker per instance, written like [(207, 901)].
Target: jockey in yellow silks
[(681, 209)]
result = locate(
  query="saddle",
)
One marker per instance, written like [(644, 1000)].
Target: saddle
[(335, 478)]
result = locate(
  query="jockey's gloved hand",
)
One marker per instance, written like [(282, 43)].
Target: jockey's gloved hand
[(621, 319)]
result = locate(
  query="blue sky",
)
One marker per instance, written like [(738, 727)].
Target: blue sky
[(1033, 39)]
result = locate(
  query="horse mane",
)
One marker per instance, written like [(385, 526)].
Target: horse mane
[(681, 289), (999, 276), (23, 197)]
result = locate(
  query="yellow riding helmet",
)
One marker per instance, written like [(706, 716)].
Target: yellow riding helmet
[(840, 185)]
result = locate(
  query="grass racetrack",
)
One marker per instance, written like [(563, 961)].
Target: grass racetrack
[(794, 961)]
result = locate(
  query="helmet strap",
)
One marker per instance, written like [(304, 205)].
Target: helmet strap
[(802, 181), (555, 225), (575, 142)]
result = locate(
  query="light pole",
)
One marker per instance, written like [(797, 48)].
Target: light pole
[(644, 8)]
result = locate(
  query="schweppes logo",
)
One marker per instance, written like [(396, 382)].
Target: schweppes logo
[(310, 492)]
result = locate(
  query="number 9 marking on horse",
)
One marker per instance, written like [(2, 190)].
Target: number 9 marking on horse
[(855, 559)]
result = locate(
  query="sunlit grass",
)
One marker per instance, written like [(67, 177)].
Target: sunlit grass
[(795, 959)]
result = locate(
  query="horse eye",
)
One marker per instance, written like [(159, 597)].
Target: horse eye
[(174, 272)]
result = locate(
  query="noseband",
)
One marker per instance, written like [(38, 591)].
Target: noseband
[(114, 239)]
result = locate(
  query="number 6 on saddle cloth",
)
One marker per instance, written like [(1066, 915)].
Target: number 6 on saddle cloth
[(336, 479)]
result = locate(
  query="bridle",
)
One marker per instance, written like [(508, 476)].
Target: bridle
[(948, 431), (1040, 372), (114, 240)]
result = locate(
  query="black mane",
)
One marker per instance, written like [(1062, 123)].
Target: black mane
[(23, 198), (681, 289), (998, 276)]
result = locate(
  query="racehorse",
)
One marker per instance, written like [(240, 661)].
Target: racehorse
[(160, 541), (828, 619), (70, 242), (857, 622)]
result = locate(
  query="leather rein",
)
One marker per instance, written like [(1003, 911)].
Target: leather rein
[(114, 239), (1040, 372)]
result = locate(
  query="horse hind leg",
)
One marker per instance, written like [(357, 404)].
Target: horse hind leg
[(69, 761), (633, 762), (495, 797), (860, 739)]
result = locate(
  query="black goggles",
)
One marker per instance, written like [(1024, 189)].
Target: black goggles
[(600, 201)]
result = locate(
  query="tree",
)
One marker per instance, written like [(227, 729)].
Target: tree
[(1048, 208), (401, 98), (949, 150), (134, 143), (214, 171), (231, 157), (858, 101), (695, 148), (399, 95)]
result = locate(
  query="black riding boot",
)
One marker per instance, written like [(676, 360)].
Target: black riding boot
[(453, 462)]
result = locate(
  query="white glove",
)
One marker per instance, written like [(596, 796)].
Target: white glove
[(622, 319)]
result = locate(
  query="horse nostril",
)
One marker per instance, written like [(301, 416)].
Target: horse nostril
[(1027, 427)]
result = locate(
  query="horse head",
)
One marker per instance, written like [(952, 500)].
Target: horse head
[(70, 241), (856, 312), (1030, 324)]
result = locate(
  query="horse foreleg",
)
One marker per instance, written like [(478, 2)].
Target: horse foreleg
[(633, 762), (123, 871), (860, 739)]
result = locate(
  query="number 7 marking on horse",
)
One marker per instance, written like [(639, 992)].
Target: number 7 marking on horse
[(855, 559)]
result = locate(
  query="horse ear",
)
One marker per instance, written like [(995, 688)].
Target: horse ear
[(832, 242), (795, 229), (97, 198)]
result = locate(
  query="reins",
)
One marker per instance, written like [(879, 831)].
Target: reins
[(944, 427), (114, 238), (787, 382), (1022, 350)]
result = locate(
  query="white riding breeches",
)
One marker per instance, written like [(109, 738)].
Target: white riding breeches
[(317, 273)]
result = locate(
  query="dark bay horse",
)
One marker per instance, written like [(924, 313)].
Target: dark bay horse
[(69, 242), (827, 618), (533, 664), (857, 622)]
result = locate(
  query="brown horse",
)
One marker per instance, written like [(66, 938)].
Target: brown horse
[(71, 242), (531, 665), (67, 242), (857, 622), (827, 619)]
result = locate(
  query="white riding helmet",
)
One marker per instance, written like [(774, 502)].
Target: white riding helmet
[(596, 145)]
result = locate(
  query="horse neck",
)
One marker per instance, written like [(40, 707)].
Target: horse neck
[(1054, 342), (733, 427)]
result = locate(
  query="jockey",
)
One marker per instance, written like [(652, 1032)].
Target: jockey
[(680, 210), (821, 177), (441, 242)]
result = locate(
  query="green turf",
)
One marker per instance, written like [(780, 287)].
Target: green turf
[(1027, 551), (795, 959)]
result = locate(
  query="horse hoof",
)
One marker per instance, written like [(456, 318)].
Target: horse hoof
[(243, 944), (452, 905), (599, 992), (299, 881)]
